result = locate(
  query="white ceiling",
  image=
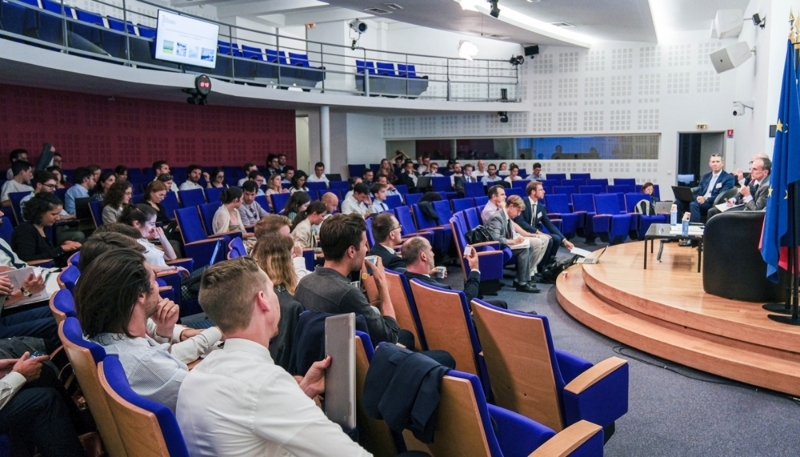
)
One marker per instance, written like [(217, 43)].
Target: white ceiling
[(612, 20)]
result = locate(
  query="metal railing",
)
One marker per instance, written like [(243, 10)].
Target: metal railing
[(122, 36)]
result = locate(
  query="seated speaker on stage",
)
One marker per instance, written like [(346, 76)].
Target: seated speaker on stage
[(752, 196)]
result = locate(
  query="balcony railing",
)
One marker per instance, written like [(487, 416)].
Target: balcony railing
[(119, 34)]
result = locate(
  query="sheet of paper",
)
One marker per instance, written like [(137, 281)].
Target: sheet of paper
[(18, 277), (722, 207), (580, 252)]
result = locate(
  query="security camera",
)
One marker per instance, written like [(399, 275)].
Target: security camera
[(739, 108), (358, 26)]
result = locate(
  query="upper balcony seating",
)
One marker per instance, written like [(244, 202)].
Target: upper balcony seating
[(391, 81)]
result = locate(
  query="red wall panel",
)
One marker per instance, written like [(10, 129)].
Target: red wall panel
[(89, 129)]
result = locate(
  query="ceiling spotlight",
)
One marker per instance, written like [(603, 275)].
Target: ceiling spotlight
[(495, 11), (757, 20), (516, 60), (358, 26), (503, 116), (467, 50)]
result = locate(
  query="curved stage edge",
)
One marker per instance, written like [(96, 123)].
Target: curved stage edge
[(665, 312)]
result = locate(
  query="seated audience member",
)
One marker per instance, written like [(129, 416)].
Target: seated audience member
[(738, 174), (160, 167), (491, 175), (534, 217), (386, 231), (250, 211), (44, 181), (247, 168), (274, 187), (457, 179), (304, 233), (408, 177), (752, 196), (168, 181), (420, 264), (115, 296), (107, 179), (121, 172), (275, 254), (469, 173), (539, 241), (299, 182), (357, 203), (227, 219), (331, 202), (282, 163), (379, 205), (319, 174), (288, 174), (281, 418), (118, 197), (61, 180), (367, 177), (497, 218), (513, 174), (216, 178), (20, 155), (29, 240), (273, 165), (537, 172), (58, 159), (193, 175), (23, 172), (503, 169), (83, 182), (433, 171), (343, 241), (186, 344), (352, 181), (258, 178), (96, 171), (387, 170), (275, 223), (154, 194), (481, 171), (297, 202), (35, 409), (142, 217), (712, 184)]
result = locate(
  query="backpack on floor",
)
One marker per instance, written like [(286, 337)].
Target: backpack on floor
[(550, 272)]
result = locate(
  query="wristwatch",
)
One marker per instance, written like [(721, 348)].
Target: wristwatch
[(25, 292)]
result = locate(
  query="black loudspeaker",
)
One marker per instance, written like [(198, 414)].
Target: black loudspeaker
[(531, 50)]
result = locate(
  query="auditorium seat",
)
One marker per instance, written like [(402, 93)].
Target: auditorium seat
[(405, 307), (533, 378), (557, 177), (196, 243), (213, 193), (408, 227), (592, 189), (193, 197), (598, 182), (490, 257), (279, 201), (585, 177), (96, 210), (474, 189), (573, 182), (558, 209), (610, 220), (645, 220), (460, 204), (62, 305), (566, 190), (413, 199)]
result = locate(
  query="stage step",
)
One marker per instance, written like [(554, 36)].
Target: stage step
[(707, 352)]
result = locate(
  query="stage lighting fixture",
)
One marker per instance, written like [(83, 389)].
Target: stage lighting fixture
[(503, 116), (516, 60), (199, 95), (495, 11), (358, 26)]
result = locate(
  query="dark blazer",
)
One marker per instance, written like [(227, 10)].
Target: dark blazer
[(30, 245), (471, 287), (759, 200), (390, 260), (539, 219), (405, 179), (724, 182), (280, 346)]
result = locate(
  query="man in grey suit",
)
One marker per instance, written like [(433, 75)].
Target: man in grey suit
[(752, 196), (497, 218)]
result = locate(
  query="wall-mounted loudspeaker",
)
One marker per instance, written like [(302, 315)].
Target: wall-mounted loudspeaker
[(531, 50), (731, 56), (727, 24)]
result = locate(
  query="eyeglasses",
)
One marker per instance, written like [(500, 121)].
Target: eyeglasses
[(397, 228), (49, 186)]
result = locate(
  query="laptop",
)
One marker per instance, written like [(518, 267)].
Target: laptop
[(683, 193), (423, 182), (592, 260), (663, 207)]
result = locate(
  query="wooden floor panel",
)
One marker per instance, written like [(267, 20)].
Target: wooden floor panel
[(664, 311)]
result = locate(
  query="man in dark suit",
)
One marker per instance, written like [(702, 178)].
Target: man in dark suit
[(534, 217), (408, 177), (386, 231), (711, 184), (418, 256), (752, 196)]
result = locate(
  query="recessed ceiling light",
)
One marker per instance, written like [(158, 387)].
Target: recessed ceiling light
[(534, 1), (562, 24)]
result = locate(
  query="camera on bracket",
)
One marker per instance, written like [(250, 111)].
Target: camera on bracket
[(739, 108)]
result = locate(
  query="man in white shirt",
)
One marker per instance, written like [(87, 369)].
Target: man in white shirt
[(16, 154), (23, 172), (160, 167), (247, 168), (514, 174), (457, 176), (433, 170), (491, 175), (193, 174), (423, 163), (258, 178), (378, 192), (537, 172), (358, 202), (481, 171), (319, 174), (271, 413)]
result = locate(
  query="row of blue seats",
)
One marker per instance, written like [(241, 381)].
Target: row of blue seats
[(388, 80)]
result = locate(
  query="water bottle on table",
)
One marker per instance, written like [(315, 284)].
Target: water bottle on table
[(685, 225), (673, 215)]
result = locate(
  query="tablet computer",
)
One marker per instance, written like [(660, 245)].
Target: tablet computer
[(340, 377)]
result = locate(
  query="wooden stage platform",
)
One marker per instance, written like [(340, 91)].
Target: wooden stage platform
[(664, 311)]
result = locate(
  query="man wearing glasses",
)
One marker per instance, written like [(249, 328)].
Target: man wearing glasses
[(44, 181), (387, 233)]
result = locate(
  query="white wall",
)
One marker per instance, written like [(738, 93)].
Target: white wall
[(363, 146), (302, 139)]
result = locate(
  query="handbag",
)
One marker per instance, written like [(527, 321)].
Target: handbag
[(479, 234)]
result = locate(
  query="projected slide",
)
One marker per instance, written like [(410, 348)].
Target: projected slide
[(182, 39)]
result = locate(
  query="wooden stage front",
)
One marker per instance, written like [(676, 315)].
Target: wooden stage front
[(665, 312)]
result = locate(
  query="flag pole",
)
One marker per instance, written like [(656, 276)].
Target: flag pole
[(794, 318)]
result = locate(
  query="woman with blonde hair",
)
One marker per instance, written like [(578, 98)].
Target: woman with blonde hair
[(273, 253)]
